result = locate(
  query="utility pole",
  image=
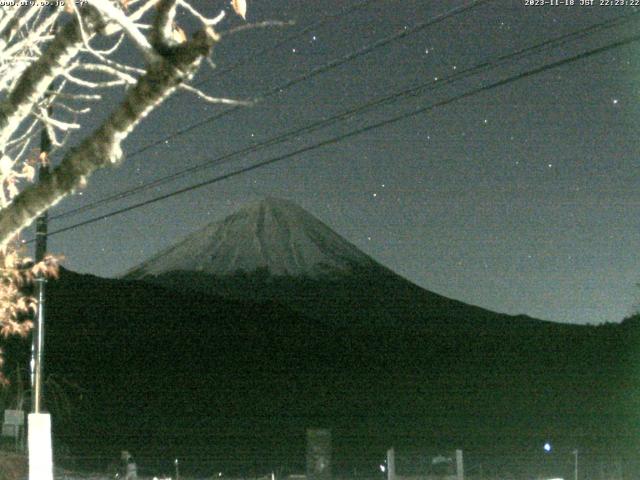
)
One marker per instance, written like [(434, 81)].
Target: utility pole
[(37, 346), (459, 465), (40, 449), (391, 464)]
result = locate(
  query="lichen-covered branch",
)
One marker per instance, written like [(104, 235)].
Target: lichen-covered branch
[(103, 147), (35, 80), (49, 72)]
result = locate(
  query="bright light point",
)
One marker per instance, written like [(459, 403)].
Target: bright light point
[(455, 67), (427, 51), (435, 79), (383, 468), (547, 447), (293, 50), (219, 474), (485, 121), (314, 38), (375, 195), (615, 101), (369, 238), (550, 165), (383, 185)]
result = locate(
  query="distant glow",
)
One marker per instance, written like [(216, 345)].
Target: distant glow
[(547, 447)]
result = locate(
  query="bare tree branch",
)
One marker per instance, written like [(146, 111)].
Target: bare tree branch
[(128, 26), (103, 147), (36, 79)]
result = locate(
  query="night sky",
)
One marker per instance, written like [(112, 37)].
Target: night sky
[(521, 198)]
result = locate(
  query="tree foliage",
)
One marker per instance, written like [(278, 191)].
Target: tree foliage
[(56, 63)]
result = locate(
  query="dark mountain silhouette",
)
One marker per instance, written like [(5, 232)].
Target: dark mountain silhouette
[(226, 364)]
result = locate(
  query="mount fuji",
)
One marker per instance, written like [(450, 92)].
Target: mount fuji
[(273, 235), (274, 250)]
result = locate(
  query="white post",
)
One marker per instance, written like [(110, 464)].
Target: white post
[(459, 465), (40, 454), (391, 464)]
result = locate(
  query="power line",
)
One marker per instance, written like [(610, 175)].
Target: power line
[(317, 71), (333, 64), (359, 131), (417, 90)]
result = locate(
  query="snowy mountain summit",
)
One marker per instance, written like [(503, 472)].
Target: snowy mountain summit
[(273, 234)]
